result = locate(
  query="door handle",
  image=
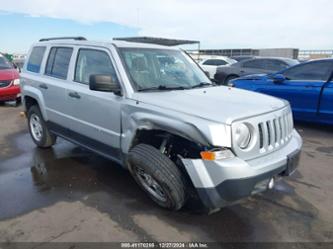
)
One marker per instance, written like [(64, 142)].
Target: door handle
[(74, 95), (44, 86)]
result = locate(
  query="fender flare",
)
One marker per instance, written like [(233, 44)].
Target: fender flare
[(29, 91)]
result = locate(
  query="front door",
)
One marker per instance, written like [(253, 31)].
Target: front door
[(326, 103), (95, 115), (301, 88)]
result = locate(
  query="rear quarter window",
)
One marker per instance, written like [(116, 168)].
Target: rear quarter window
[(35, 59)]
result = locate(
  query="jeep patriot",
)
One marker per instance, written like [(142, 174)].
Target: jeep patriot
[(153, 110)]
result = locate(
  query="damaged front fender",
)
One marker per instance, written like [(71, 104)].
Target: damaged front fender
[(200, 131)]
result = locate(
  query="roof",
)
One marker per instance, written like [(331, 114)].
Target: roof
[(117, 43), (156, 40)]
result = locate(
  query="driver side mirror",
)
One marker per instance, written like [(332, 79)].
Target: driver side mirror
[(278, 78), (104, 83)]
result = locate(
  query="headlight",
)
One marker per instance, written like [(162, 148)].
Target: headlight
[(242, 136), (16, 82)]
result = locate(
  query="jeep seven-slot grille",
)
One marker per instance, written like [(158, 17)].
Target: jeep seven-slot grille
[(275, 132), (5, 83)]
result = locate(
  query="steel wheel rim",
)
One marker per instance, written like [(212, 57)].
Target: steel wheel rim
[(150, 184), (36, 127)]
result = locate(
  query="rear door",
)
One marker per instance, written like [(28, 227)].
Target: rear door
[(54, 83), (301, 88), (95, 115)]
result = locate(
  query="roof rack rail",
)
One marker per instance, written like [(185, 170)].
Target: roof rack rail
[(78, 38)]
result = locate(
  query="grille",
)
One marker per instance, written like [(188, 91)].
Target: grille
[(275, 132), (5, 83)]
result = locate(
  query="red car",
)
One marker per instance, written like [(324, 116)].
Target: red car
[(9, 81)]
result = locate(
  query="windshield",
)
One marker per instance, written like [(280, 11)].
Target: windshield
[(4, 63), (159, 69)]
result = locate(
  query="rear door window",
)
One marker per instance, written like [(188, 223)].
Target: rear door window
[(214, 62), (35, 59), (254, 64), (58, 62), (275, 65), (220, 62)]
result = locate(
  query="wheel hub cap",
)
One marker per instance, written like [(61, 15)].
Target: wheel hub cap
[(150, 184), (36, 127)]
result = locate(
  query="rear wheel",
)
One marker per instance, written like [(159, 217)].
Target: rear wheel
[(158, 176), (39, 132)]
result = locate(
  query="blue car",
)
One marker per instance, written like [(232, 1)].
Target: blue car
[(307, 86)]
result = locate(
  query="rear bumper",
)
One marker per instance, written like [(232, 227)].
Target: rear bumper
[(10, 93), (220, 183)]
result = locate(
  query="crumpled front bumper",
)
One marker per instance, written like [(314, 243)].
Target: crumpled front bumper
[(222, 182)]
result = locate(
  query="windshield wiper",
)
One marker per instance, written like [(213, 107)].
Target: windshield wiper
[(161, 88), (202, 84)]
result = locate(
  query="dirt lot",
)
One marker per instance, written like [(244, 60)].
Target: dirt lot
[(69, 194)]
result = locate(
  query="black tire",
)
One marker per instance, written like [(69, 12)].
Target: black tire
[(47, 139), (230, 77), (162, 170)]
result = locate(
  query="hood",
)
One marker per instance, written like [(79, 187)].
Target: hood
[(220, 104), (9, 74)]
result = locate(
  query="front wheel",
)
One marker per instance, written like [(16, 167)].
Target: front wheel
[(39, 132), (158, 176)]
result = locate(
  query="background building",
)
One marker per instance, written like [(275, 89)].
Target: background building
[(315, 54), (269, 52)]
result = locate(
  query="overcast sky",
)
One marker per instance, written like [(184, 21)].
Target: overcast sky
[(303, 24)]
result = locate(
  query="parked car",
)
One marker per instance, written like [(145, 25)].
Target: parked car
[(308, 87), (252, 66), (155, 112), (9, 81), (210, 65)]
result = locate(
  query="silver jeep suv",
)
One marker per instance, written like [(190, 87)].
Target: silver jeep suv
[(153, 110)]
